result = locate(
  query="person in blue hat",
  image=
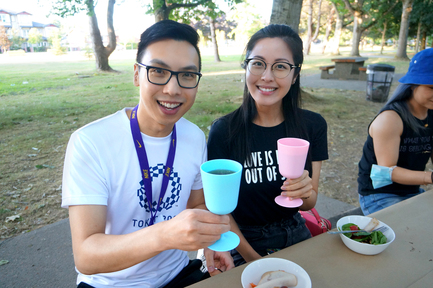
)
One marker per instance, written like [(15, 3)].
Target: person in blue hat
[(399, 141)]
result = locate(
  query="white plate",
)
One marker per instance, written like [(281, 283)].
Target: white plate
[(254, 271)]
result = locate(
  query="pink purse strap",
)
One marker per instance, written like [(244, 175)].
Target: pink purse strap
[(324, 225), (316, 214)]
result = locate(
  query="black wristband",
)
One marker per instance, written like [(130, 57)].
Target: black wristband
[(431, 177)]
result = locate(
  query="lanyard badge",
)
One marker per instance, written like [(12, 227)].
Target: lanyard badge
[(144, 164)]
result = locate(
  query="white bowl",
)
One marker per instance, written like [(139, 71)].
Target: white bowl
[(254, 271), (364, 248)]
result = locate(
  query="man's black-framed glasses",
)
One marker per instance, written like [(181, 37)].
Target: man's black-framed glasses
[(279, 69), (161, 76)]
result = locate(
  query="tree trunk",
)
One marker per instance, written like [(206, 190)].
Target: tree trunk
[(418, 35), (357, 32), (357, 13), (404, 27), (101, 52), (309, 26), (328, 29), (287, 12), (110, 28), (337, 32), (162, 12), (319, 15), (316, 32), (424, 40), (214, 40), (382, 43)]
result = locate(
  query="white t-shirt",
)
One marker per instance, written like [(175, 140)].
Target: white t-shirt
[(102, 168)]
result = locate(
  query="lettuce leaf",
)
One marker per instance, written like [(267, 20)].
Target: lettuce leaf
[(375, 238)]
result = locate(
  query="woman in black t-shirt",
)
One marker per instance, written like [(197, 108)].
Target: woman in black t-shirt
[(270, 111), (399, 141)]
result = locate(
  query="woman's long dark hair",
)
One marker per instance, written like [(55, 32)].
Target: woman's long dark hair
[(241, 119), (398, 102)]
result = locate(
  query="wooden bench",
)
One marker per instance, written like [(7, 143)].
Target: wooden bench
[(325, 71), (362, 73)]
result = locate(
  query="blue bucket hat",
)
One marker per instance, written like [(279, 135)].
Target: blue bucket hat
[(420, 69)]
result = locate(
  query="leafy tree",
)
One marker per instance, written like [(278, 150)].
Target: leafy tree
[(64, 8), (187, 10), (222, 24), (34, 37), (421, 22), (366, 13), (386, 27), (56, 47), (404, 26), (247, 23), (210, 28), (4, 40), (343, 19), (16, 41), (177, 9)]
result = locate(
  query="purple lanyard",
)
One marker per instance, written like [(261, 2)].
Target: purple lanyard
[(144, 164)]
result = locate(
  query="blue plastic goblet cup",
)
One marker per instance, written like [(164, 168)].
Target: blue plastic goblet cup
[(221, 181)]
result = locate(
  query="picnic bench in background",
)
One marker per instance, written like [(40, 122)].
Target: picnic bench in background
[(346, 68)]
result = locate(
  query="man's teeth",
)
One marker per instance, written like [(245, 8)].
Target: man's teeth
[(267, 89), (169, 105)]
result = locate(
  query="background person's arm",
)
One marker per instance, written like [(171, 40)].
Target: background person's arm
[(386, 131)]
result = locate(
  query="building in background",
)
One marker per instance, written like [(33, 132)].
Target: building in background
[(20, 23)]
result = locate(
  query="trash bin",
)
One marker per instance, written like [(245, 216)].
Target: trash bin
[(379, 79)]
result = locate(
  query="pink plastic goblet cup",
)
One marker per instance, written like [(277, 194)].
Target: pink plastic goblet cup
[(292, 154)]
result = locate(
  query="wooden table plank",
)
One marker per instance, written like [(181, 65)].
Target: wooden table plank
[(349, 59), (330, 263)]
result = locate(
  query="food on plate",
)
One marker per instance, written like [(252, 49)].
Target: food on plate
[(277, 279), (375, 237)]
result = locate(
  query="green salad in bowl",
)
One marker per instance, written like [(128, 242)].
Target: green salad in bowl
[(364, 242), (375, 237)]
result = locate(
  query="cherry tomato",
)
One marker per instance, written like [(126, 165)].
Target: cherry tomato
[(354, 227)]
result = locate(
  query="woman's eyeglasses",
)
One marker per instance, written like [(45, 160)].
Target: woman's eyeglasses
[(279, 69)]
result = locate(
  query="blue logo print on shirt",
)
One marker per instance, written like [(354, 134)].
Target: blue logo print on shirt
[(171, 195)]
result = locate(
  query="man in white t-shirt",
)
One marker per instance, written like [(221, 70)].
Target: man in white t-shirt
[(132, 180)]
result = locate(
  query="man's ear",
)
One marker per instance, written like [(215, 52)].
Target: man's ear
[(136, 76)]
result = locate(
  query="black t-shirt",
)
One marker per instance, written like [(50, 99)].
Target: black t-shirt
[(261, 181), (415, 151)]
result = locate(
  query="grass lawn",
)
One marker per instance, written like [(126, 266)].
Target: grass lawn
[(43, 102)]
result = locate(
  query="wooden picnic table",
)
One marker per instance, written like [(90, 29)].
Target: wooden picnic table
[(407, 262), (346, 68)]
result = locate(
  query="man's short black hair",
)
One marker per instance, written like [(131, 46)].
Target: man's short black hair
[(168, 29)]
